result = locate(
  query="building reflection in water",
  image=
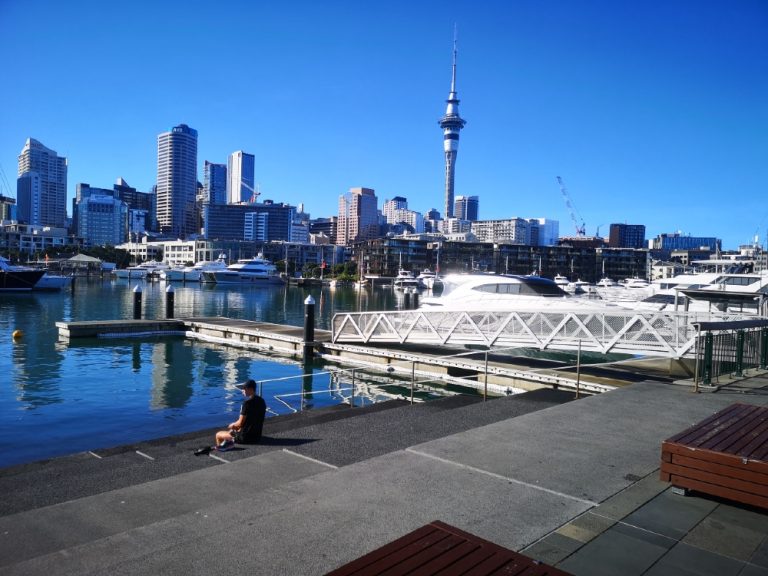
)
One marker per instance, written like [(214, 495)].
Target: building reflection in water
[(172, 379)]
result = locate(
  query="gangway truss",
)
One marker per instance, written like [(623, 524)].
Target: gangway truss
[(666, 334)]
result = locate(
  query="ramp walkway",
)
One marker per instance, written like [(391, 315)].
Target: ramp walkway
[(565, 482)]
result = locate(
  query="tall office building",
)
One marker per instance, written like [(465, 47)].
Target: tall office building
[(626, 236), (240, 182), (41, 188), (177, 181), (451, 123), (358, 216), (466, 207), (214, 183)]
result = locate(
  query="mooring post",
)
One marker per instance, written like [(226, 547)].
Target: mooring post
[(72, 284), (406, 299), (137, 302), (169, 298), (309, 328), (415, 299)]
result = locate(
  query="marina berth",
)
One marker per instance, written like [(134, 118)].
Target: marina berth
[(258, 270)]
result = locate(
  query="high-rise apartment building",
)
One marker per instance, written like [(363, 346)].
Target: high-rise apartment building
[(214, 183), (466, 207), (240, 178), (391, 206), (177, 181), (358, 216), (451, 123), (41, 187)]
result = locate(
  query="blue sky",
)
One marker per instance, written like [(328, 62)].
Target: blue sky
[(653, 112)]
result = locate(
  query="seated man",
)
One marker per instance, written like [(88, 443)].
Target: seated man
[(247, 428)]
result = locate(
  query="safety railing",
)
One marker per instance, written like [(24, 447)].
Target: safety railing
[(729, 348), (621, 331)]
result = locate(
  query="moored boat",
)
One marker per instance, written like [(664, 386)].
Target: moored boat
[(256, 270), (18, 278)]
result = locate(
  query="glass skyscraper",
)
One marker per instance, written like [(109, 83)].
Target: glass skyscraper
[(177, 181), (240, 174)]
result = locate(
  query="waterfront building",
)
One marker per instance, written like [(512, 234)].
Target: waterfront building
[(358, 216), (177, 181), (101, 219), (214, 185), (451, 124), (508, 231), (390, 206), (382, 256), (466, 207), (240, 178), (265, 221), (7, 209), (41, 187), (142, 250), (179, 252), (30, 239), (141, 204), (626, 236)]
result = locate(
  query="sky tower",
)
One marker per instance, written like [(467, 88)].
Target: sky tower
[(451, 123)]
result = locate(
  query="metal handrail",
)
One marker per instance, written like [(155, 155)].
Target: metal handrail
[(623, 331)]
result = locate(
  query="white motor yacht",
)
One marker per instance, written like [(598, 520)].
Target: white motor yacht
[(405, 279), (256, 270), (606, 282), (427, 278), (494, 292), (194, 273), (143, 270), (561, 281)]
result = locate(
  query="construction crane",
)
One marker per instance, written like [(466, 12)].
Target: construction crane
[(580, 229), (254, 193)]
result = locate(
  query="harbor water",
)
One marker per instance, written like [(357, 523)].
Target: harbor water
[(59, 398)]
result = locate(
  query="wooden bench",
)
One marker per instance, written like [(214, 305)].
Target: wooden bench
[(725, 455), (439, 548)]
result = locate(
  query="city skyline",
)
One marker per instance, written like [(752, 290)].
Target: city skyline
[(652, 115)]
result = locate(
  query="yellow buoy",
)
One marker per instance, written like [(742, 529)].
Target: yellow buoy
[(17, 334)]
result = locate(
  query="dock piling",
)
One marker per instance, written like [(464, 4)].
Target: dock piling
[(137, 302), (309, 328), (170, 296)]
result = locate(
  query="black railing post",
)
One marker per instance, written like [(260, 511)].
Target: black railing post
[(740, 353), (707, 368)]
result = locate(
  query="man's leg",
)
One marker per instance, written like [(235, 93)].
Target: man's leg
[(223, 435)]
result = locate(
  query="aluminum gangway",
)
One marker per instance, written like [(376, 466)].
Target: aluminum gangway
[(667, 334)]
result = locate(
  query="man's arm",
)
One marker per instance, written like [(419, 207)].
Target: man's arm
[(237, 424)]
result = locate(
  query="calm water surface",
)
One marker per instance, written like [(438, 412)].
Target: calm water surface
[(58, 398)]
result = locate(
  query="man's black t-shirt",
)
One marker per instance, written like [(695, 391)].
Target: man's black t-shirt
[(254, 409)]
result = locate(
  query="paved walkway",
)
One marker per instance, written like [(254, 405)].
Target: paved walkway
[(574, 484)]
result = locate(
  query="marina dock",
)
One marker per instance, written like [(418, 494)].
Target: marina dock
[(490, 375), (574, 484)]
